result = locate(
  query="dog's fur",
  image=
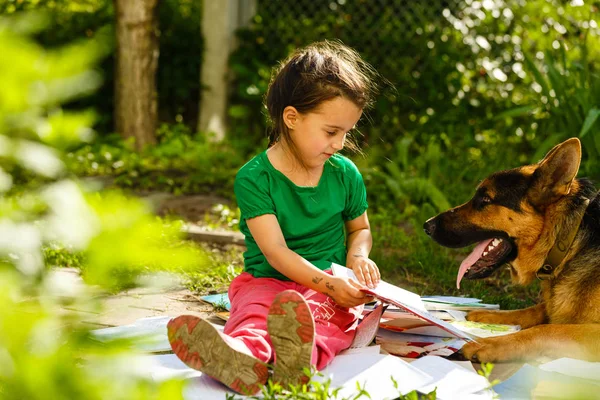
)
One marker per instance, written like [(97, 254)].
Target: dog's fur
[(528, 208)]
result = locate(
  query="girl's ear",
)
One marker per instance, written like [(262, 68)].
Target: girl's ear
[(290, 117)]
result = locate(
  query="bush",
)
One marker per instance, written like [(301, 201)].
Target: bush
[(180, 41), (45, 352), (181, 163)]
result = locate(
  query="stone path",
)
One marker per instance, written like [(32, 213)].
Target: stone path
[(128, 306)]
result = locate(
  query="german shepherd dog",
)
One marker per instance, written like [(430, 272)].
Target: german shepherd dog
[(544, 223)]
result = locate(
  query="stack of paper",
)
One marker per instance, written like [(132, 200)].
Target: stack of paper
[(414, 346), (456, 303), (404, 299), (412, 315)]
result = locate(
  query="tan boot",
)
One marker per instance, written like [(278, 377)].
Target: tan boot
[(292, 330), (200, 346)]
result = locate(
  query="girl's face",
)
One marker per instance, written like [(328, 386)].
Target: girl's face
[(321, 133)]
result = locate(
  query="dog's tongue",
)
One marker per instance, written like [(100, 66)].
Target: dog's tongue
[(470, 260)]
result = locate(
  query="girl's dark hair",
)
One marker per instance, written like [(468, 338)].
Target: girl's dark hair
[(314, 74)]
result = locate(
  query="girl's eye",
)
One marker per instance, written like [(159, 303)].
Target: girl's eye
[(331, 133)]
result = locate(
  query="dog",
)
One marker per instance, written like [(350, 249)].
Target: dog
[(545, 224)]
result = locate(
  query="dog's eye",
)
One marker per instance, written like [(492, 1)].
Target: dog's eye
[(481, 201)]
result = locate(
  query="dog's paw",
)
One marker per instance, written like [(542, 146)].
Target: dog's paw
[(498, 349), (487, 350), (488, 317)]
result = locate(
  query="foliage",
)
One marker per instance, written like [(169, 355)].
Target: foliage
[(69, 20), (47, 353), (486, 372), (456, 76), (222, 216), (569, 102), (179, 163), (225, 262), (410, 183), (180, 41), (57, 256)]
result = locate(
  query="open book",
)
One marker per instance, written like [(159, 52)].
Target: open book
[(411, 302)]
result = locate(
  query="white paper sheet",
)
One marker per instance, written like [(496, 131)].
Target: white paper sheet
[(168, 366), (452, 381), (574, 367), (451, 299), (374, 373), (143, 326), (206, 388), (457, 315), (362, 350), (147, 334)]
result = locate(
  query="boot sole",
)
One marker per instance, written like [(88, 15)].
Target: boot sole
[(292, 330), (200, 346)]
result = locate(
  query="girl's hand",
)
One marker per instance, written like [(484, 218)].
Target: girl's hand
[(365, 270), (346, 292)]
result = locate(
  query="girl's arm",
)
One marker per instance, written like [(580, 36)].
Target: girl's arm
[(359, 243), (266, 231)]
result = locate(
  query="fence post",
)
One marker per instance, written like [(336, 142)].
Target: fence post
[(220, 19)]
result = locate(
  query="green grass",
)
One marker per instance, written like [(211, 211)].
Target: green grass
[(225, 263)]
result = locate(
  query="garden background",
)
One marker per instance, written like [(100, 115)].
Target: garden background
[(468, 87)]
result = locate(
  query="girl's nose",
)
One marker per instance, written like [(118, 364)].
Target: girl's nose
[(338, 144)]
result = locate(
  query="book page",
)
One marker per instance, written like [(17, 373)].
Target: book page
[(384, 289), (409, 301)]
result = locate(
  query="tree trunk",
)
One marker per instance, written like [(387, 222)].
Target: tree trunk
[(220, 20), (135, 70)]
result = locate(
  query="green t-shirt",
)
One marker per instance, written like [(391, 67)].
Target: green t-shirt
[(311, 218)]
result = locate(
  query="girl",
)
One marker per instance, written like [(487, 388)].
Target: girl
[(303, 206)]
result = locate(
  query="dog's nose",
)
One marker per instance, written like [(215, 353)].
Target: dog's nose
[(429, 226)]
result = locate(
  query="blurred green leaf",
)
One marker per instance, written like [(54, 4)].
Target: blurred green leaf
[(590, 119)]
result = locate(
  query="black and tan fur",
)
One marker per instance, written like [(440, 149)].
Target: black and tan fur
[(530, 208)]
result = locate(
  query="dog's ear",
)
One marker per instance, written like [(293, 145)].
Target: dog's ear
[(554, 175)]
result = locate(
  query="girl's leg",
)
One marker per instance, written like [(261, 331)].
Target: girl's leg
[(250, 301), (334, 325), (238, 357)]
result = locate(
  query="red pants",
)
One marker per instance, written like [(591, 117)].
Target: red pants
[(250, 301)]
